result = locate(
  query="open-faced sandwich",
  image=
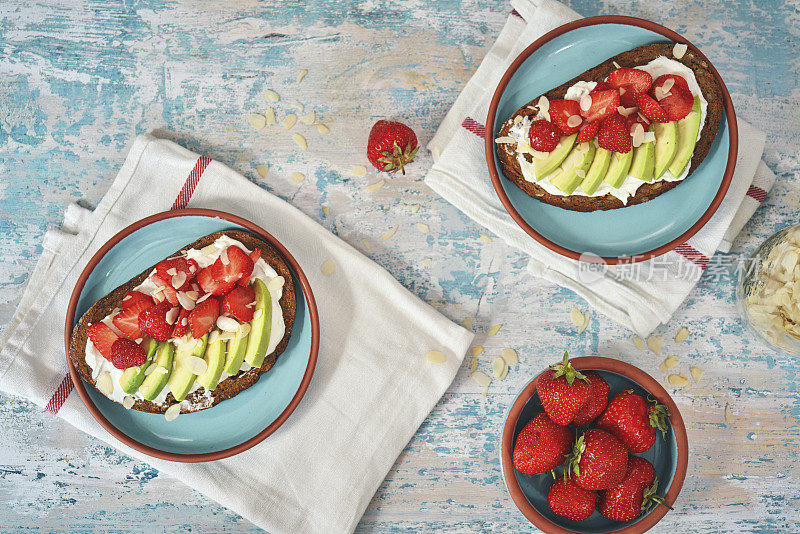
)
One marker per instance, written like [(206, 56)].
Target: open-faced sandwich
[(619, 134), (195, 329)]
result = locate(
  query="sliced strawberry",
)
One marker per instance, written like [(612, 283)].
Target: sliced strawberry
[(209, 284), (601, 86), (169, 292), (181, 323), (127, 321), (633, 118), (221, 276), (127, 353), (604, 104), (544, 136), (613, 135), (560, 113), (678, 104), (239, 303), (676, 80), (588, 132), (255, 254), (102, 338), (627, 96), (638, 79), (134, 297), (153, 321), (178, 272), (203, 317), (650, 108)]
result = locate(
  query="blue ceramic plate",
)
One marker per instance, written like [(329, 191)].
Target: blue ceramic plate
[(641, 231), (231, 423)]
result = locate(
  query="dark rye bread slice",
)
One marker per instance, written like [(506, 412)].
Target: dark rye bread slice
[(227, 388), (632, 58)]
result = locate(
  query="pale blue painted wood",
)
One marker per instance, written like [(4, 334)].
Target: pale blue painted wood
[(80, 78)]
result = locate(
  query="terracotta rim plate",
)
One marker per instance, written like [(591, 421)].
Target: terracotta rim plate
[(145, 430), (628, 241), (644, 381)]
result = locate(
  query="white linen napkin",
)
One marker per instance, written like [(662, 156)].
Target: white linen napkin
[(460, 175), (372, 387)]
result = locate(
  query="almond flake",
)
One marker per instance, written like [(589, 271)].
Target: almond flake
[(172, 412), (485, 390), (586, 102), (389, 234), (309, 118), (172, 271), (510, 356), (585, 322), (375, 186), (415, 208), (196, 365), (262, 170), (668, 83), (276, 283), (227, 336), (580, 173), (616, 65), (358, 170), (269, 115), (139, 340), (214, 337), (223, 257), (244, 329), (227, 324), (494, 330), (160, 370), (259, 312), (481, 378), (696, 373), (301, 141), (473, 365), (105, 385), (505, 140), (668, 363), (682, 334), (303, 74), (422, 227), (289, 121), (626, 111), (194, 295), (171, 316), (648, 137), (179, 279), (426, 262), (365, 243), (321, 128), (128, 401), (477, 350), (678, 380), (728, 413), (576, 316), (298, 177), (204, 297), (499, 367), (654, 343), (638, 342), (517, 119), (679, 50), (326, 210), (257, 121), (271, 96), (622, 91), (435, 356), (150, 368), (574, 120), (328, 267), (467, 323)]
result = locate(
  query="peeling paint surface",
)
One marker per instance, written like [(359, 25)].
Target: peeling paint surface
[(80, 78)]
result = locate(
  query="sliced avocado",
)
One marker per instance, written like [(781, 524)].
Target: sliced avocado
[(618, 168), (236, 349), (574, 168), (155, 381), (666, 145), (260, 326), (598, 170), (132, 377), (688, 128), (215, 360), (644, 161), (182, 379), (543, 167)]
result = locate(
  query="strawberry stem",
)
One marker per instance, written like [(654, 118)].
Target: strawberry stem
[(397, 158), (566, 370), (658, 418), (650, 497), (571, 465)]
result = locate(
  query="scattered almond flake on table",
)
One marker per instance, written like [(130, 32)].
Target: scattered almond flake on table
[(321, 128), (328, 267), (289, 121), (172, 412), (358, 170), (510, 356), (271, 96), (638, 342), (366, 243), (389, 234), (499, 367), (654, 343), (586, 319), (270, 116), (326, 210), (678, 380), (728, 413), (481, 378), (301, 141), (477, 350), (375, 186), (576, 316), (435, 356), (303, 74), (309, 118), (422, 227), (696, 373), (415, 208), (435, 153), (473, 365), (485, 390), (681, 336), (494, 330), (257, 121), (263, 170), (467, 323), (298, 177), (485, 238), (668, 363), (426, 262)]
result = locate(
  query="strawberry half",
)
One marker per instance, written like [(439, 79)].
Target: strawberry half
[(604, 104), (127, 321), (651, 109), (102, 338), (134, 297), (203, 317), (598, 400), (153, 321), (627, 96), (676, 80), (635, 78), (222, 275), (598, 460), (168, 292), (127, 353), (563, 391), (569, 500), (678, 104), (588, 132), (613, 134), (541, 445), (177, 272), (561, 112), (239, 303), (544, 135), (633, 421), (633, 118), (634, 495)]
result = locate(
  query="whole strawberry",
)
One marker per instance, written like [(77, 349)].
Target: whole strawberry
[(127, 353), (634, 495), (598, 460), (598, 400), (569, 500), (391, 146), (541, 446), (633, 421), (563, 391)]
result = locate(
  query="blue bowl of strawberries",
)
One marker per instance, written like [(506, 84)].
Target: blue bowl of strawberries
[(594, 445)]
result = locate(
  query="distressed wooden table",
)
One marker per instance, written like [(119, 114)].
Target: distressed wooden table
[(81, 78)]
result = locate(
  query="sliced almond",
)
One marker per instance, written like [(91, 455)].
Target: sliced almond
[(481, 378), (505, 140), (622, 91), (365, 243), (171, 316), (580, 173), (269, 115), (682, 335), (485, 238), (435, 356), (196, 365), (426, 262), (105, 384), (309, 118), (728, 413), (477, 350), (638, 342), (128, 401), (543, 104), (321, 128), (467, 323), (375, 186), (301, 141), (389, 234), (473, 365), (586, 319), (499, 367), (289, 121), (415, 208), (213, 337), (271, 96), (668, 83), (276, 283), (626, 111), (668, 363), (262, 170), (585, 102), (328, 267), (227, 324), (574, 121), (172, 412), (298, 177), (303, 73), (576, 316), (244, 329), (150, 368), (186, 302), (227, 336), (616, 65), (494, 330), (679, 50), (326, 210), (654, 343), (517, 119), (160, 370), (510, 356), (696, 373), (648, 137), (358, 170), (194, 295), (179, 279), (678, 380), (257, 121), (422, 227)]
